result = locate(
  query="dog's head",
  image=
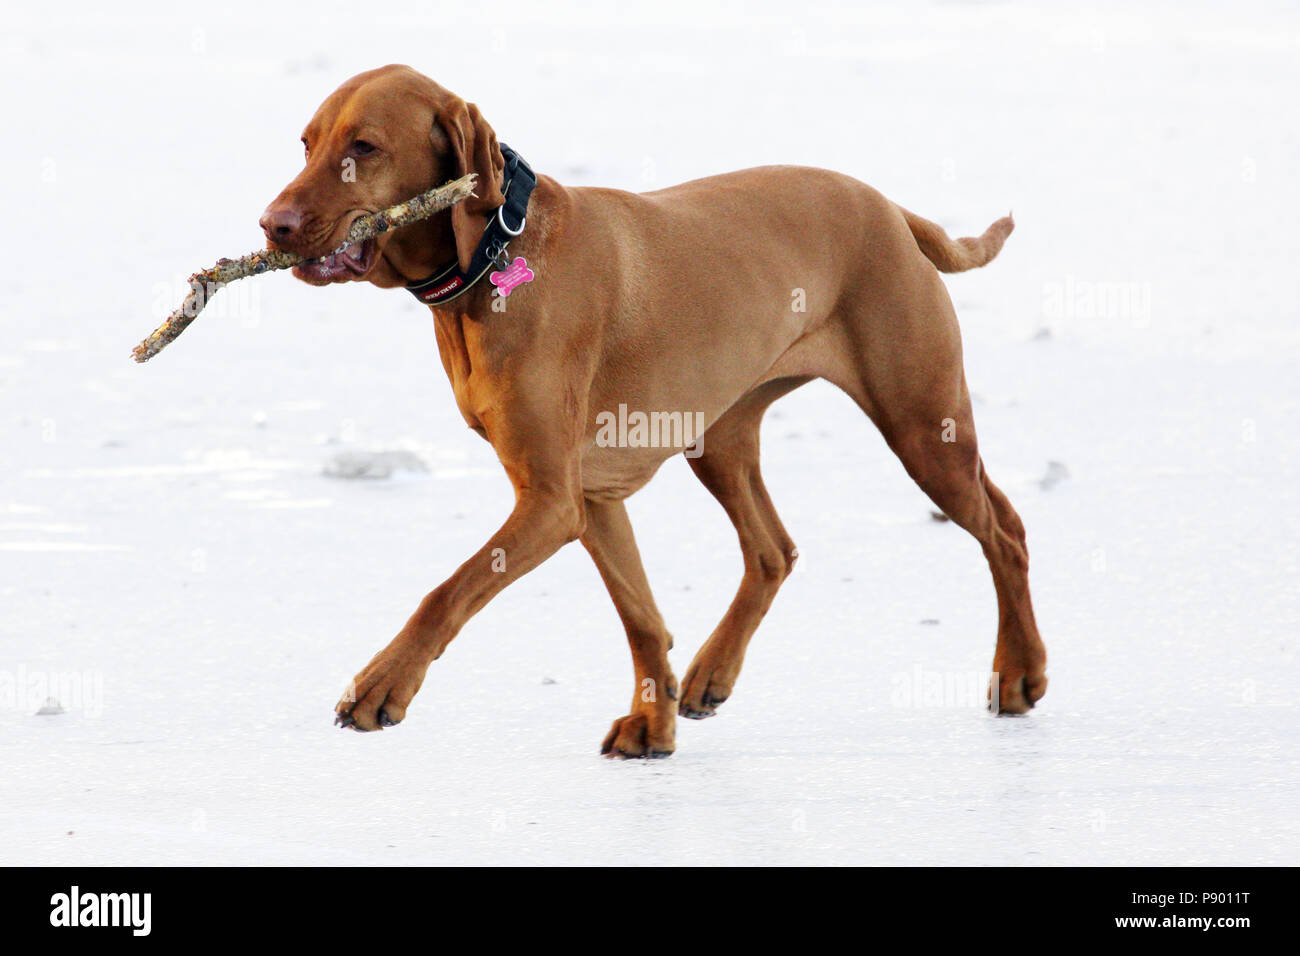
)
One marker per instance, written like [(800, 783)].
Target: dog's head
[(382, 137)]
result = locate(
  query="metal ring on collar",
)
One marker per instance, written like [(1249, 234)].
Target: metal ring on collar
[(510, 232)]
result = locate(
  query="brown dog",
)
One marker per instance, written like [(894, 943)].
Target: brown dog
[(701, 303)]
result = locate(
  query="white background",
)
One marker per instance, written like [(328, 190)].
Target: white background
[(167, 531)]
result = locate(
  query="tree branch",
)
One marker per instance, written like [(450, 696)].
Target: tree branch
[(205, 284)]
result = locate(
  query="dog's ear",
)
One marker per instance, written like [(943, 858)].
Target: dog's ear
[(472, 148)]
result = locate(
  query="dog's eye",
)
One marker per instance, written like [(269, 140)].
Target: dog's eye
[(362, 148)]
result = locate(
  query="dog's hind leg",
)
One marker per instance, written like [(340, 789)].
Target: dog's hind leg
[(729, 468), (914, 388), (649, 728), (952, 473)]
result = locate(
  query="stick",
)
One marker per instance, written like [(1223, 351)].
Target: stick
[(205, 284)]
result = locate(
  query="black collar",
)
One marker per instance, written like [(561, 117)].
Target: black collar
[(452, 281)]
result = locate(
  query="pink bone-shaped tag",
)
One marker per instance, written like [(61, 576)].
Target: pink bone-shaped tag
[(515, 274)]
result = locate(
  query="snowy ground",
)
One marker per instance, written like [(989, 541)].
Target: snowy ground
[(170, 544)]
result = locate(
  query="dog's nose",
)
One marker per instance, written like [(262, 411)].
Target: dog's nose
[(280, 222)]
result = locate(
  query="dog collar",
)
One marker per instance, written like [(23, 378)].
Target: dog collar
[(452, 281)]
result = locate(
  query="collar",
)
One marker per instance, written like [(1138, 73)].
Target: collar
[(451, 281)]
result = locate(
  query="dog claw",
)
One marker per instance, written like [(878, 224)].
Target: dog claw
[(385, 720), (620, 754), (344, 720), (697, 714)]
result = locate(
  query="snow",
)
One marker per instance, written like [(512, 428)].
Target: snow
[(182, 572)]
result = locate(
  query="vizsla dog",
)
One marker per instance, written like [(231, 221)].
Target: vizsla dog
[(702, 303)]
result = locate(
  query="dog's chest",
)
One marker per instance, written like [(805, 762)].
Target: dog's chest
[(458, 362)]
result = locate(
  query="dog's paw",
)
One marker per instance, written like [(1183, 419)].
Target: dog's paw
[(379, 695), (641, 734), (703, 690), (1016, 692)]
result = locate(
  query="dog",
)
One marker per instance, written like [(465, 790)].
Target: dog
[(707, 301)]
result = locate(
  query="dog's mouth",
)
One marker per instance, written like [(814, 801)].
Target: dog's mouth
[(351, 262)]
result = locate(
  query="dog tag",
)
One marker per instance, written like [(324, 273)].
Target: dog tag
[(513, 275)]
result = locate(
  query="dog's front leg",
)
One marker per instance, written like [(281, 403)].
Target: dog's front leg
[(649, 729), (547, 515)]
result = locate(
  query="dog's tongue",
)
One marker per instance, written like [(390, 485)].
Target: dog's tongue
[(350, 260), (351, 256)]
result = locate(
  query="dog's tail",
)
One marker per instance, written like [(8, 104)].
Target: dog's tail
[(957, 255)]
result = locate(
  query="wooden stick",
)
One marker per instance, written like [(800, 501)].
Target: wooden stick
[(205, 284)]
